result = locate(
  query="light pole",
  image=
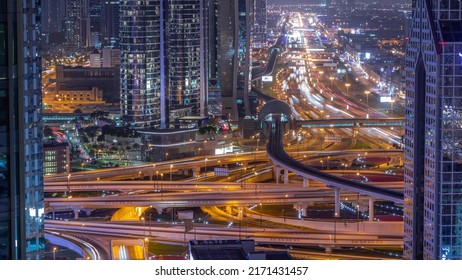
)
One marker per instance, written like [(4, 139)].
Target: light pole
[(171, 166), (54, 253), (162, 179), (367, 103), (153, 172), (335, 228), (261, 215), (322, 164), (348, 89), (156, 183), (205, 168), (68, 183)]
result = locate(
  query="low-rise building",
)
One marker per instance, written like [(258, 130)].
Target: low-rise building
[(56, 158)]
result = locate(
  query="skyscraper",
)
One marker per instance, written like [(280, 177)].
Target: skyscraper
[(142, 85), (433, 135), (235, 26), (110, 22), (261, 25), (164, 61), (186, 41), (94, 14), (77, 23), (52, 16), (21, 158)]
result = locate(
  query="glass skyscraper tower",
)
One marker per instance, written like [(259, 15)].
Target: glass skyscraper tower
[(186, 28), (235, 29), (164, 60), (142, 86), (433, 135), (21, 174)]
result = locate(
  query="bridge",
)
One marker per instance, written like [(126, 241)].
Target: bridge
[(274, 115), (355, 123)]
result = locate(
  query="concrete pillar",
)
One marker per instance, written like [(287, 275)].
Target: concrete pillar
[(371, 209), (286, 176), (196, 172), (185, 172), (337, 202), (88, 211), (53, 213), (278, 174), (306, 183), (76, 213)]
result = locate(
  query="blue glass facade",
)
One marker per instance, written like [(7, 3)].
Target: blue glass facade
[(21, 174)]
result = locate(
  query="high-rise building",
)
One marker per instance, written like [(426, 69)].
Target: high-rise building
[(77, 23), (235, 26), (142, 85), (433, 134), (261, 24), (164, 61), (186, 23), (94, 14), (214, 103), (110, 22), (53, 16), (21, 156)]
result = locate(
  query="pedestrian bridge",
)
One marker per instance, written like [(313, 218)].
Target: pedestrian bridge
[(347, 123)]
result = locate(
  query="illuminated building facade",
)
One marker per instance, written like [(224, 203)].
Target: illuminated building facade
[(164, 61), (21, 156), (235, 28), (142, 88), (433, 136)]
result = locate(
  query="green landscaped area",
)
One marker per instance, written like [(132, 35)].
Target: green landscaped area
[(163, 249)]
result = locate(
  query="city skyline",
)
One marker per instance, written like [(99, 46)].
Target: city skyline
[(207, 129)]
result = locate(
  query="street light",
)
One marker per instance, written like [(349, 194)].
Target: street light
[(166, 156), (367, 103), (54, 253), (331, 81), (205, 168), (171, 166), (68, 183), (348, 88), (322, 164)]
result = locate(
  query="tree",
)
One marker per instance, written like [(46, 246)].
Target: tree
[(78, 111), (47, 131)]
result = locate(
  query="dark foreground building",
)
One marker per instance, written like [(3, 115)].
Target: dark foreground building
[(433, 137), (21, 174)]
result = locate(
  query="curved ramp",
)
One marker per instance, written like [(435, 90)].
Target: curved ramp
[(276, 153)]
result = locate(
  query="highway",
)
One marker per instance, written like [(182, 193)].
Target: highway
[(275, 150), (261, 236), (146, 186)]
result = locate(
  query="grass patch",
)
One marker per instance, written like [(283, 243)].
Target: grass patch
[(166, 249)]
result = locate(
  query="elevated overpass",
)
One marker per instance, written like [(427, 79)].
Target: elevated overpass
[(274, 114), (140, 186), (348, 123)]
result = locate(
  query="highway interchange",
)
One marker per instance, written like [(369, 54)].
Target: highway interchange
[(231, 202)]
